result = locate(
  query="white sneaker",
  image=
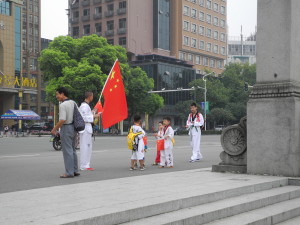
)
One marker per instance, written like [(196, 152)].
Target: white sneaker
[(191, 161), (142, 168)]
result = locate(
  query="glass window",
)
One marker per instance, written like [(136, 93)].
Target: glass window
[(110, 25), (98, 27), (212, 63), (190, 57), (122, 5), (201, 16), (208, 47), (86, 29), (205, 61), (197, 59), (216, 49), (222, 23), (122, 41), (194, 43), (75, 14), (194, 13), (222, 37), (186, 41), (220, 64), (98, 10), (201, 2), (216, 7), (208, 4), (201, 30), (201, 45), (222, 10), (182, 55), (110, 7), (216, 21), (110, 41), (208, 32), (186, 10), (223, 50), (194, 28), (216, 35), (86, 12), (186, 25), (75, 31), (208, 18), (122, 23)]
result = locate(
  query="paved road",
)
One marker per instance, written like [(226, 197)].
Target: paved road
[(30, 162)]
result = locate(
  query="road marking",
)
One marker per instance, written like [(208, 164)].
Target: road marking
[(18, 156)]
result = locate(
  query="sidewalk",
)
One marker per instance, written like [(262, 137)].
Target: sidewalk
[(113, 198)]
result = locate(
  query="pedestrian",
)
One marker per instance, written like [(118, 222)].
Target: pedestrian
[(159, 136), (86, 135), (138, 154), (67, 132), (194, 124), (6, 128), (166, 155)]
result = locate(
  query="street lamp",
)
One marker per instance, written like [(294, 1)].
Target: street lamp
[(205, 90)]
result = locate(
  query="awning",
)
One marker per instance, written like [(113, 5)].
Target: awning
[(20, 115)]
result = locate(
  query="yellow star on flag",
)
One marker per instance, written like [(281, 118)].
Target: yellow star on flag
[(116, 86), (110, 90), (112, 75)]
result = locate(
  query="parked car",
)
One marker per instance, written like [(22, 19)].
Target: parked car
[(219, 127)]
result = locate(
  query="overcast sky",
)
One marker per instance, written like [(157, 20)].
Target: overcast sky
[(239, 12)]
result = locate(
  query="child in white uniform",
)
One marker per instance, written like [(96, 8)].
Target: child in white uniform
[(166, 156)]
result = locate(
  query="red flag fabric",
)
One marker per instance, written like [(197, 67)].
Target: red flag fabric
[(115, 104), (98, 107)]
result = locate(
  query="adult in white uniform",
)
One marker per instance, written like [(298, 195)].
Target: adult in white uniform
[(86, 143), (194, 123)]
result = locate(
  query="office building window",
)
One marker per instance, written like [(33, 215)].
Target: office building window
[(182, 55), (197, 59), (220, 64), (208, 32), (223, 50), (216, 7), (201, 16), (216, 35), (86, 29), (186, 41), (75, 14), (122, 41), (122, 23), (186, 10), (98, 10), (222, 23), (186, 25), (194, 43), (75, 31), (222, 10), (222, 37), (201, 45), (122, 5), (216, 49), (208, 4), (110, 25), (98, 27), (86, 12), (110, 7), (201, 2), (208, 18), (216, 21), (191, 57), (205, 61), (110, 41), (208, 47), (193, 1), (201, 30), (194, 13), (194, 28), (212, 63)]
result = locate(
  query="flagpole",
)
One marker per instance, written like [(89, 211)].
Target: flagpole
[(107, 80)]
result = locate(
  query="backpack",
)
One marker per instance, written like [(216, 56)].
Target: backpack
[(79, 124), (131, 140)]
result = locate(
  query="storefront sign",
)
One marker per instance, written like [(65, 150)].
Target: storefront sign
[(7, 80)]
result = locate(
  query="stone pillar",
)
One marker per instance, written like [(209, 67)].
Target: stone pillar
[(273, 111)]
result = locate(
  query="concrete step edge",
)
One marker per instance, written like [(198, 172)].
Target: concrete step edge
[(269, 215), (293, 221), (223, 208)]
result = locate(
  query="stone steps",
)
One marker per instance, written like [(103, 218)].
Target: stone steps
[(294, 221), (250, 202)]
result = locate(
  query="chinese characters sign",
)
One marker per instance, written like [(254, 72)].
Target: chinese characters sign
[(7, 80)]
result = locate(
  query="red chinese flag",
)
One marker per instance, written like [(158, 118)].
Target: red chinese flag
[(98, 107), (115, 104)]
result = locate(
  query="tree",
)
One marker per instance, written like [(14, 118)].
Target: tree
[(220, 116), (84, 64)]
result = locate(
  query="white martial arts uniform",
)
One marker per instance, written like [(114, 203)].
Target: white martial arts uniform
[(86, 136), (140, 153), (195, 134), (166, 156)]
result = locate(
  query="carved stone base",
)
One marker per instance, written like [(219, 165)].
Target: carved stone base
[(229, 168), (239, 160)]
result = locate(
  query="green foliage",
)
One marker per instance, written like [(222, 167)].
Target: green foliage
[(83, 64), (226, 95)]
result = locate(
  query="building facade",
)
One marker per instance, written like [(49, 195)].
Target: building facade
[(242, 49), (190, 30)]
